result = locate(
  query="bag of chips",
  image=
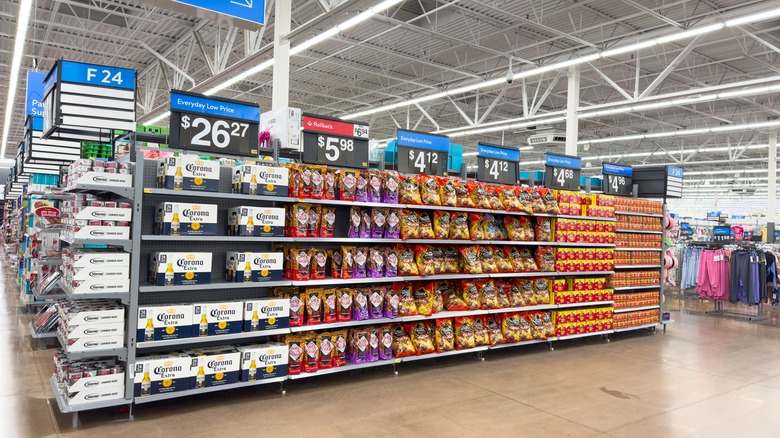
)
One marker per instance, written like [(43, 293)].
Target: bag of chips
[(464, 333), (462, 195), (295, 179), (374, 186), (312, 226), (347, 261), (312, 297), (438, 260), (376, 301), (476, 230), (510, 327), (493, 197), (488, 294), (529, 264), (526, 288), (329, 306), (512, 292), (421, 337), (481, 335), (297, 307), (543, 229), (440, 289), (347, 183), (354, 222), (329, 184), (339, 348), (317, 181), (376, 262), (486, 259), (410, 225), (373, 344), (378, 221), (319, 261), (327, 222), (494, 330), (409, 192), (447, 191), (402, 343), (508, 198), (534, 320), (311, 353), (441, 224), (524, 198), (423, 298), (423, 256), (406, 306), (478, 194), (304, 186), (502, 297), (392, 303), (515, 257), (391, 261), (361, 186), (360, 258), (300, 262), (365, 224), (502, 259), (514, 228), (358, 347), (295, 348), (449, 264), (536, 201), (300, 220), (445, 335), (360, 304), (406, 261), (492, 230), (426, 225), (385, 342), (344, 309), (542, 291), (390, 185), (453, 300), (549, 328), (526, 333), (459, 225), (548, 199), (545, 257), (471, 260), (393, 229), (470, 294), (429, 190), (325, 342)]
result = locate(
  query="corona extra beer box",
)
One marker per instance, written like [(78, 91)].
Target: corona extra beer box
[(181, 268), (162, 374), (256, 221), (181, 219), (210, 319), (266, 314), (188, 172), (252, 179), (264, 361), (159, 323), (247, 267), (214, 366)]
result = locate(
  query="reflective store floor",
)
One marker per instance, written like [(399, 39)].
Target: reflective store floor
[(706, 377)]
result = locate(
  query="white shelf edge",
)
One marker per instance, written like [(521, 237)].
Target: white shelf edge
[(207, 339), (639, 327), (588, 304), (628, 213), (189, 392), (637, 266), (345, 368), (624, 288)]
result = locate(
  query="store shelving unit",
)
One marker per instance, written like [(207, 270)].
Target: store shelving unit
[(625, 230)]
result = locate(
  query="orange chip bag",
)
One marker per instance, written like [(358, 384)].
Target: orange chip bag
[(494, 331), (545, 256), (502, 259), (410, 225), (445, 335), (459, 225), (421, 337), (481, 336), (441, 224), (409, 192), (536, 201), (402, 343), (478, 194), (423, 298), (543, 229), (486, 259), (406, 305), (510, 327), (548, 199), (429, 190), (488, 294), (508, 198), (426, 225), (464, 333), (447, 191), (406, 261), (423, 255), (493, 198), (470, 257), (462, 195), (524, 199), (470, 294), (476, 229)]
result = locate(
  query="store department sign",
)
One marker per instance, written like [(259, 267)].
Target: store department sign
[(249, 10), (34, 103)]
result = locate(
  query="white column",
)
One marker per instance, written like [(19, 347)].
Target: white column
[(771, 210), (281, 81), (572, 105)]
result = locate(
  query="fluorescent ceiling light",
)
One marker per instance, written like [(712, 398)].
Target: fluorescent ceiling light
[(16, 64), (761, 16), (683, 132), (629, 48), (690, 33), (726, 172)]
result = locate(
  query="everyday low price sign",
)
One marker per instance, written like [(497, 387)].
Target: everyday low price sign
[(562, 172), (497, 164), (618, 180), (420, 152)]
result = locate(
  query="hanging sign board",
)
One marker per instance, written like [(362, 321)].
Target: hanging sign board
[(674, 182), (47, 154), (618, 180), (215, 125), (34, 103), (333, 142), (89, 97), (249, 10), (419, 152), (562, 172), (497, 164)]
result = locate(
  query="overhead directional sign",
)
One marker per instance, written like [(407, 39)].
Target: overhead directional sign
[(420, 152), (674, 181), (562, 172), (497, 164), (249, 10), (215, 125), (334, 142), (34, 103), (618, 180)]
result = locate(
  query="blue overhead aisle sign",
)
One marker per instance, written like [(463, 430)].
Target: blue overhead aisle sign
[(249, 10), (34, 105)]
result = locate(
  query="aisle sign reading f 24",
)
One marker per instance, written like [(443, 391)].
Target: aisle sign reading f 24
[(249, 10), (419, 152), (562, 172), (215, 125)]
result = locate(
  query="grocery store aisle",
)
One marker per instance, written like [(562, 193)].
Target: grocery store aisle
[(707, 377)]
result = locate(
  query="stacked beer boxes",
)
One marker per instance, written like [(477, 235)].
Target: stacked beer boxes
[(91, 325), (95, 271), (88, 381), (86, 216)]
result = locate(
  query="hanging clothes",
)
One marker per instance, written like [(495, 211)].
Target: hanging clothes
[(713, 277), (690, 267)]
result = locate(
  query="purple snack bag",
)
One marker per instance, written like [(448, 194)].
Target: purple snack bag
[(376, 299), (391, 262), (354, 222), (360, 347), (365, 224), (385, 342), (390, 184), (378, 221), (373, 344), (374, 186), (392, 301), (393, 224), (361, 261), (360, 305), (376, 263), (361, 187)]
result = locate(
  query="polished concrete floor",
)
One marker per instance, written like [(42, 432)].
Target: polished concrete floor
[(707, 377)]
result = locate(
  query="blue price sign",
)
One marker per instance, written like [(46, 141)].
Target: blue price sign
[(674, 171), (97, 75), (419, 152), (614, 169), (34, 104), (249, 10), (192, 103), (562, 172), (618, 179), (497, 164)]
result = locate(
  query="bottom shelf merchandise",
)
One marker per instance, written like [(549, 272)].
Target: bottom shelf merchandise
[(582, 321), (635, 319), (88, 381)]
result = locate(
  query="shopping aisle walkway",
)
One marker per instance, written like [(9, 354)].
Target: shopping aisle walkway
[(707, 377)]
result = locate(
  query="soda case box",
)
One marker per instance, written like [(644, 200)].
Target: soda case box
[(159, 323), (263, 361), (90, 312), (94, 260), (266, 314), (102, 390), (162, 374), (101, 273), (91, 330), (94, 343), (256, 221), (247, 267), (214, 366), (211, 319), (181, 268), (253, 179), (183, 219), (188, 172)]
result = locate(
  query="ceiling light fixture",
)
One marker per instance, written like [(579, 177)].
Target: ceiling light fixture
[(16, 65)]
